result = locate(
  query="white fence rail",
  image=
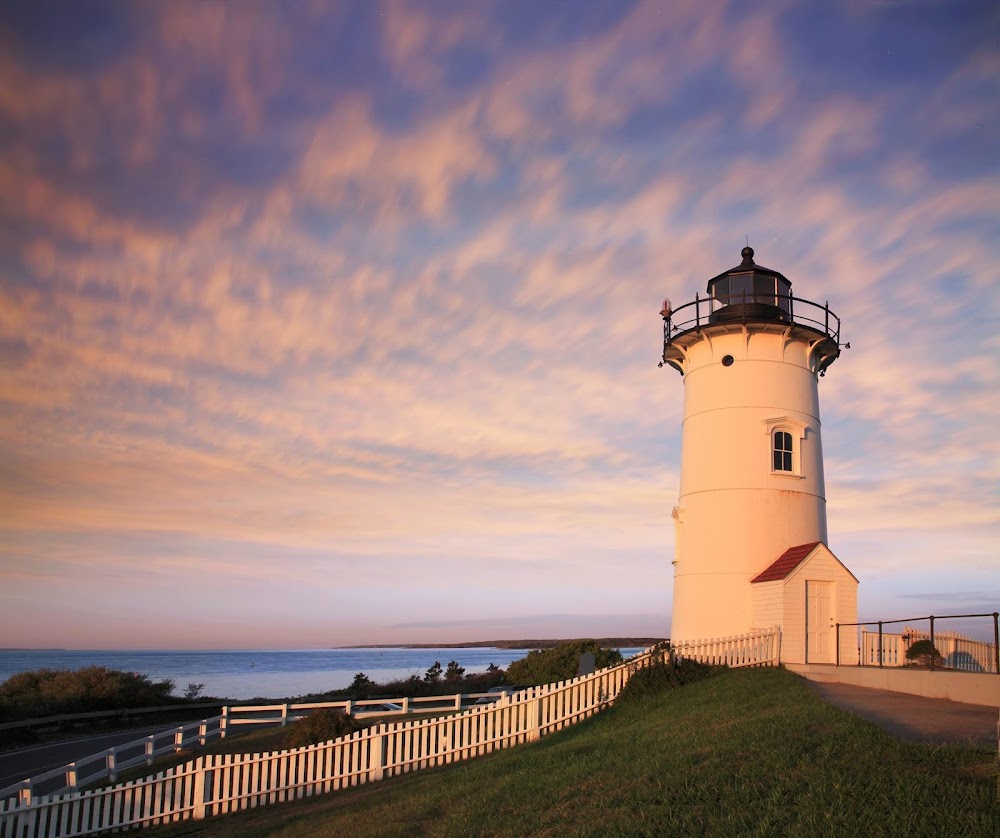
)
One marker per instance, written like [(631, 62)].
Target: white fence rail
[(219, 784), (62, 718), (957, 651)]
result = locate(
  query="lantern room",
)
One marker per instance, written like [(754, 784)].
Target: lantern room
[(750, 291)]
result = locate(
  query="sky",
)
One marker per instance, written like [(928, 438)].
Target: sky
[(331, 323)]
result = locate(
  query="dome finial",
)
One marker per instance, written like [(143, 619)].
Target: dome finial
[(747, 254)]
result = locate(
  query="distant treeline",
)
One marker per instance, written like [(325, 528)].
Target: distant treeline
[(610, 642)]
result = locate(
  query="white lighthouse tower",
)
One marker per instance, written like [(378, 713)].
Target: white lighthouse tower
[(750, 524)]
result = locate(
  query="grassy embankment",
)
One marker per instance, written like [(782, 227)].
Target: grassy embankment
[(750, 752)]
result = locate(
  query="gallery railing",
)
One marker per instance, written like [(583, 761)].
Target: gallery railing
[(749, 307)]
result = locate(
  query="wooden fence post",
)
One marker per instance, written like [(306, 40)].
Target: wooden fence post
[(376, 755), (24, 793), (224, 722), (534, 719), (149, 749), (201, 787), (71, 777), (112, 766), (284, 714)]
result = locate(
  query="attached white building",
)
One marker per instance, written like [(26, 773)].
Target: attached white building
[(808, 580), (752, 482)]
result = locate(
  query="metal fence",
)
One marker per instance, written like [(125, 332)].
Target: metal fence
[(947, 650)]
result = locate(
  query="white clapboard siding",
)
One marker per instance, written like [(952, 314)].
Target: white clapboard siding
[(219, 784)]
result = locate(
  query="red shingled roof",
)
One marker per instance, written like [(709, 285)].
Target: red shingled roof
[(785, 563)]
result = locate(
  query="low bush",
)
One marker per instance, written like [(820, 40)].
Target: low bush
[(413, 687), (545, 666), (320, 726), (665, 674), (50, 692), (923, 653)]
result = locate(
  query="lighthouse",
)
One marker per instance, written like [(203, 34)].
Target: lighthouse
[(751, 541)]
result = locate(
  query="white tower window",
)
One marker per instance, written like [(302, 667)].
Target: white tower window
[(782, 451), (785, 436)]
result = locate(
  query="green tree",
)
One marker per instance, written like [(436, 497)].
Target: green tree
[(560, 663), (454, 671), (193, 691), (433, 674), (361, 683)]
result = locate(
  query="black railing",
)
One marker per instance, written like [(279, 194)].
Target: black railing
[(749, 307), (933, 658)]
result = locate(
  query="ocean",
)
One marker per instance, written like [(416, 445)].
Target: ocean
[(265, 673)]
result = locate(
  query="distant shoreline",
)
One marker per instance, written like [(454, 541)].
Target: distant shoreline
[(616, 642)]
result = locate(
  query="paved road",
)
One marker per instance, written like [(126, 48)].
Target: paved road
[(913, 717), (16, 765)]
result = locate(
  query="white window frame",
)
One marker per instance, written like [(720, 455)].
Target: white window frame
[(797, 430)]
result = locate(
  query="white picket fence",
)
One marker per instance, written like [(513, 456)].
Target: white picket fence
[(110, 762), (756, 649), (220, 784), (957, 651)]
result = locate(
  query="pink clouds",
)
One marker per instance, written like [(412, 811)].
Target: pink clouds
[(422, 321)]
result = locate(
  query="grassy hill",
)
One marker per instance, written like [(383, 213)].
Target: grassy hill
[(749, 752)]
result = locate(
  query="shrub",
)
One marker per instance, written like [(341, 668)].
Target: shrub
[(545, 666), (320, 726), (454, 671), (664, 675), (433, 673), (923, 653), (50, 692)]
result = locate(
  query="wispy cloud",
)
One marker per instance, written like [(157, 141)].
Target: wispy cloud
[(333, 302)]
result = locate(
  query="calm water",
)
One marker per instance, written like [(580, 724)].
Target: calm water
[(266, 673)]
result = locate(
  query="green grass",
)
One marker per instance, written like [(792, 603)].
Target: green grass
[(750, 752)]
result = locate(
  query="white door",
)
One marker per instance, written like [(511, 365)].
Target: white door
[(819, 622)]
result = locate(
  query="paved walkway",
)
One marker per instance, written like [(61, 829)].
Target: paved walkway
[(28, 762), (913, 717)]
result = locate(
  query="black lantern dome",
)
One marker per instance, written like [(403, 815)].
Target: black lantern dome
[(749, 292), (749, 296)]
